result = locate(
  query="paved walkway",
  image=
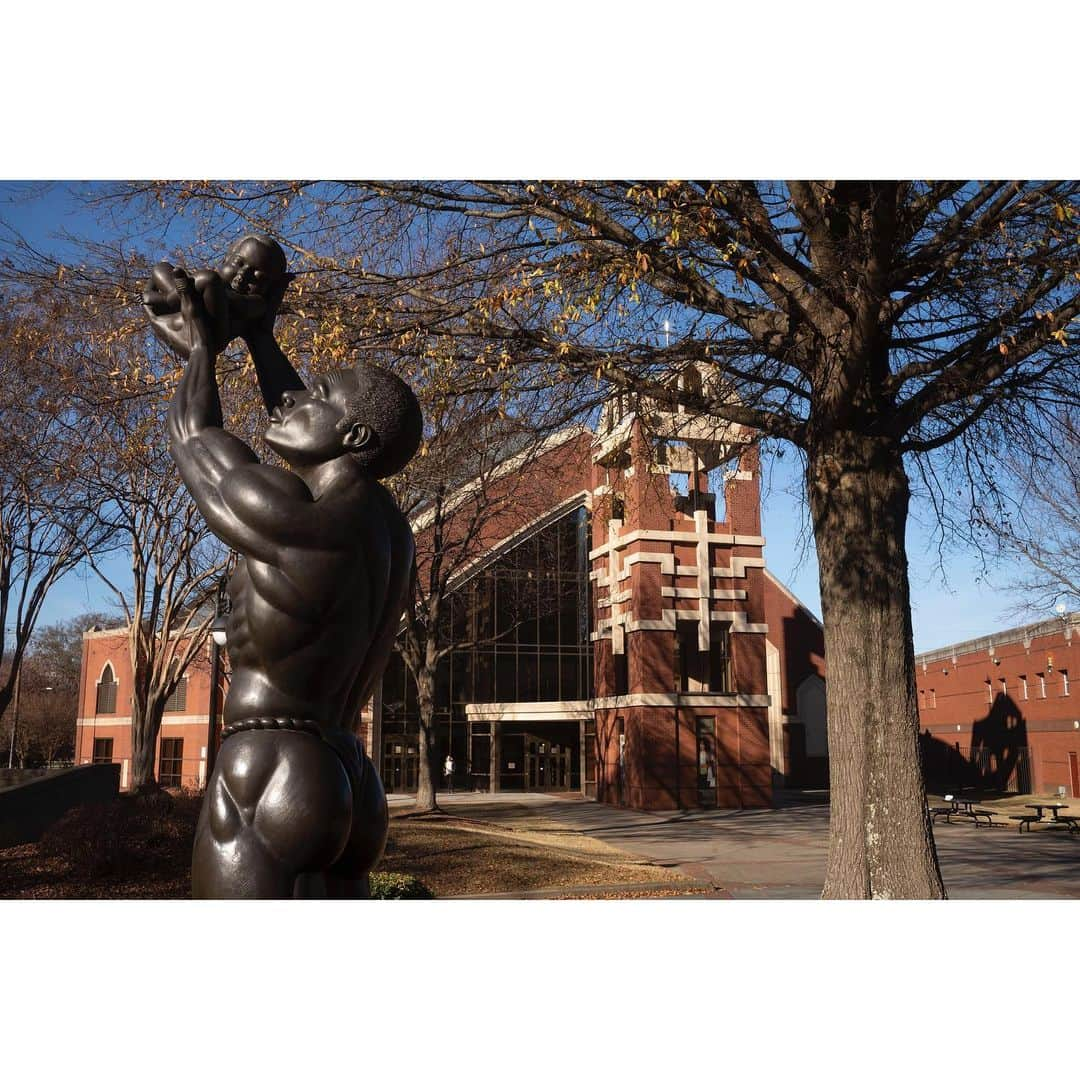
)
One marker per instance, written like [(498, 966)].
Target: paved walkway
[(780, 854)]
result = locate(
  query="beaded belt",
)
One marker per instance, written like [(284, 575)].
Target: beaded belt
[(273, 723)]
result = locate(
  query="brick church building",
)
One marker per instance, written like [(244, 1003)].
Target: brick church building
[(637, 648)]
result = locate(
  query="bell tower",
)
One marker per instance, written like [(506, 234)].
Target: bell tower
[(679, 628)]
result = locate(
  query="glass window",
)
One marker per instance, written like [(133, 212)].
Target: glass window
[(720, 659), (171, 767), (538, 593), (106, 691), (103, 751)]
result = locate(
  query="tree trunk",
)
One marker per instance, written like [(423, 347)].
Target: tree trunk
[(145, 725), (425, 696), (880, 841)]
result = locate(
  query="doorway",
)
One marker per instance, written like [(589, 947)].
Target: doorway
[(401, 757), (706, 761), (547, 765)]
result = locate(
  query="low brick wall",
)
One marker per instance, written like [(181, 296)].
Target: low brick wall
[(28, 809), (11, 777)]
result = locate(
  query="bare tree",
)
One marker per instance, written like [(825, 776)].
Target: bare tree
[(45, 524), (175, 564), (50, 689), (1033, 516)]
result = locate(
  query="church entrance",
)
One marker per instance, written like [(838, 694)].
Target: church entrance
[(401, 768), (547, 765), (539, 757)]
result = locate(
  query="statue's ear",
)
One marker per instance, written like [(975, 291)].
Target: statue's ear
[(357, 437)]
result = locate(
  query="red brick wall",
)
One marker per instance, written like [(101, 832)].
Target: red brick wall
[(962, 706), (103, 647)]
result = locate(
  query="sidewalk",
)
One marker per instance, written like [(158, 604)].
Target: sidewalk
[(780, 854)]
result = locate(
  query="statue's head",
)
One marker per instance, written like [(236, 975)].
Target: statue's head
[(365, 411), (253, 265)]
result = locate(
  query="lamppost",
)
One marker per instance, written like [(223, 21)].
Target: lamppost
[(217, 640), (14, 717)]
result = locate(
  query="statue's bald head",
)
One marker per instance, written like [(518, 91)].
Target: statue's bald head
[(388, 408)]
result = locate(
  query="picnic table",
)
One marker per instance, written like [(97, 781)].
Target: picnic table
[(961, 806), (1056, 818)]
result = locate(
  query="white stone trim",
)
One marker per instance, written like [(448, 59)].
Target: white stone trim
[(739, 565), (692, 594), (539, 711), (773, 678), (118, 721), (668, 619), (731, 539), (707, 701)]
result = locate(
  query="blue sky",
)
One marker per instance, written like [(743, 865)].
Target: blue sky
[(950, 603)]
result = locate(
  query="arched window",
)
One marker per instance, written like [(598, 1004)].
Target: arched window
[(106, 691)]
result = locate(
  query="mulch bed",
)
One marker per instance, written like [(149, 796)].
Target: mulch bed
[(141, 849), (132, 849)]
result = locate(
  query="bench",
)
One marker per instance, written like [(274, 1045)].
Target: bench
[(976, 814), (1071, 821)]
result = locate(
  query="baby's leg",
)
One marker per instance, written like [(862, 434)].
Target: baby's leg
[(279, 807), (215, 299)]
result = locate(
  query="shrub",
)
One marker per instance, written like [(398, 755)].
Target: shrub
[(129, 836), (398, 887)]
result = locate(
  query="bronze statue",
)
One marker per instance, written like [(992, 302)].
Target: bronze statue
[(294, 807)]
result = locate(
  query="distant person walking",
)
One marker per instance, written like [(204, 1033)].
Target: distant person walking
[(448, 772)]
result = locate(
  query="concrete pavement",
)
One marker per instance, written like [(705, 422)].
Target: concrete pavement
[(780, 854)]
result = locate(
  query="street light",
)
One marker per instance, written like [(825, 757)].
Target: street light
[(218, 638), (14, 717)]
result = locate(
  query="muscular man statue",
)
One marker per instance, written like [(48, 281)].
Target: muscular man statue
[(294, 807)]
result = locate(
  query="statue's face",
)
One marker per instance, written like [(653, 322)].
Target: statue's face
[(250, 268), (308, 426)]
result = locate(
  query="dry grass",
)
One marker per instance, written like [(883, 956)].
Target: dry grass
[(458, 856), (128, 850)]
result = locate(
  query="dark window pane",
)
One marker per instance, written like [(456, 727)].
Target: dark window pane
[(528, 676), (505, 677), (549, 676), (106, 693), (528, 600), (568, 677), (484, 674), (171, 767)]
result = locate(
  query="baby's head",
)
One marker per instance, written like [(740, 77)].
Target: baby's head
[(253, 265)]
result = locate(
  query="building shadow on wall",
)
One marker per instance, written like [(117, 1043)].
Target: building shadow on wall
[(999, 759)]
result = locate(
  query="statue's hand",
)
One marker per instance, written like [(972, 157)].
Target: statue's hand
[(171, 332)]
